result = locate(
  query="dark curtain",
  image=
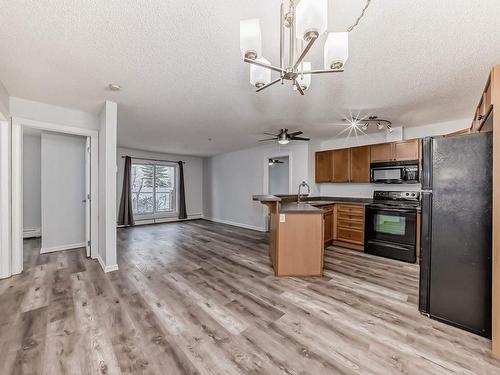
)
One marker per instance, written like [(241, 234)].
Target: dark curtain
[(126, 214), (182, 195)]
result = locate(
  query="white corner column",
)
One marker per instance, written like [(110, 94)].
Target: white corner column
[(5, 200), (17, 197), (107, 186)]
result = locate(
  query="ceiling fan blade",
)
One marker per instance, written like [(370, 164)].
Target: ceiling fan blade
[(300, 139), (267, 139), (271, 134), (295, 133)]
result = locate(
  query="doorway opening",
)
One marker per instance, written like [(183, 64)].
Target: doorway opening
[(56, 190), (279, 175)]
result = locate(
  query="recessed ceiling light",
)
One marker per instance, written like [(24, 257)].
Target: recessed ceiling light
[(114, 87)]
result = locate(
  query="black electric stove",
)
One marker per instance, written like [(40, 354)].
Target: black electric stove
[(391, 225)]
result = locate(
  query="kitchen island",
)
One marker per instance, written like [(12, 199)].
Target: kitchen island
[(299, 231), (296, 237)]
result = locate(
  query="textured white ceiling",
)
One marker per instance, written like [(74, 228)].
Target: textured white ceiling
[(413, 62)]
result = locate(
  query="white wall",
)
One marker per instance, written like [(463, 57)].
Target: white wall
[(231, 179), (441, 128), (32, 110), (4, 102), (108, 122), (63, 189), (279, 177), (193, 177), (32, 198)]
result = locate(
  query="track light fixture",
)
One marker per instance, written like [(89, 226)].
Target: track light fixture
[(380, 123)]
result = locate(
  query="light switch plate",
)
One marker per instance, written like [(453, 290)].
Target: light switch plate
[(282, 218)]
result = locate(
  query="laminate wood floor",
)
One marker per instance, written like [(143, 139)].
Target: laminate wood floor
[(200, 298)]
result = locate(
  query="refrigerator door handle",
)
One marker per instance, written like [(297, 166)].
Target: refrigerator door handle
[(427, 151), (425, 253)]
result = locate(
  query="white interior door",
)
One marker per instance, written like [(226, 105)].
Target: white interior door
[(87, 197)]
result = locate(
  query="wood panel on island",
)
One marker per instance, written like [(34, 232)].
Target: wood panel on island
[(352, 165)]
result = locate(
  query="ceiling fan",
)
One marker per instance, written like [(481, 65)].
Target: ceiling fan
[(284, 137), (275, 161)]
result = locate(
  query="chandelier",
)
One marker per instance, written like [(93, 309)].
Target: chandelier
[(305, 22)]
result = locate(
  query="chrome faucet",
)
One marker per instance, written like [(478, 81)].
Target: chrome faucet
[(303, 184)]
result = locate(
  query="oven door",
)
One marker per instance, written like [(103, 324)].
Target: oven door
[(391, 233), (387, 175), (392, 225)]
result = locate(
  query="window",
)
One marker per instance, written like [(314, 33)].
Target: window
[(153, 188)]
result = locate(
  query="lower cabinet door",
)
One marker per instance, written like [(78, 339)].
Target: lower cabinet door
[(328, 222)]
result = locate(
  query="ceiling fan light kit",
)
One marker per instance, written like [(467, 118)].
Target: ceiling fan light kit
[(284, 137), (305, 22)]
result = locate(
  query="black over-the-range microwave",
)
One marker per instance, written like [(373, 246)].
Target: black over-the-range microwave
[(395, 172)]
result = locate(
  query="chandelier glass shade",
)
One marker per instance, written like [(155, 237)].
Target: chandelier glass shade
[(311, 17), (336, 50), (250, 39), (260, 76), (304, 80), (300, 28)]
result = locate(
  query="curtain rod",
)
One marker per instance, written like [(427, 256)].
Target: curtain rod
[(166, 161)]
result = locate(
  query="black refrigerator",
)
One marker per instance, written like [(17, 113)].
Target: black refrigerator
[(455, 264)]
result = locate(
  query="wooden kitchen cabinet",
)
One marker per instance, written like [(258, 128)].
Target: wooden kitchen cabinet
[(407, 150), (353, 164), (350, 226), (360, 164), (381, 153), (396, 151), (341, 165), (324, 167)]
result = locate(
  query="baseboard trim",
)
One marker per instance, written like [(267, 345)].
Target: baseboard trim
[(162, 220), (45, 250), (32, 232), (106, 269), (235, 224)]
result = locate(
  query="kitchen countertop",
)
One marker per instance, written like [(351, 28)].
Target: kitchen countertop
[(309, 204), (303, 208), (266, 198)]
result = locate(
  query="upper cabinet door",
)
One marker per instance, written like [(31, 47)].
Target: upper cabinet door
[(382, 152), (341, 165), (324, 166), (407, 150), (360, 164)]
